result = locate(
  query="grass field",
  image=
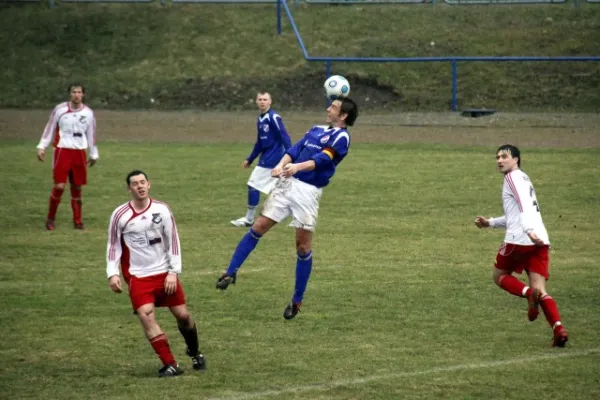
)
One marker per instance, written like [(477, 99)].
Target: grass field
[(400, 304)]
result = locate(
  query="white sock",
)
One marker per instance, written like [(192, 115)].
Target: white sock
[(557, 323), (525, 289), (250, 213)]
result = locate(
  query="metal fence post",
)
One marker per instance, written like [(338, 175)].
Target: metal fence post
[(279, 17), (454, 86)]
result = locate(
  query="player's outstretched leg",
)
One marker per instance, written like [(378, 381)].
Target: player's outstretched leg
[(242, 251), (303, 270), (187, 328), (53, 202), (253, 200), (76, 206)]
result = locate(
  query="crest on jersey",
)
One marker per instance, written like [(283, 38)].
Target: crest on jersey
[(82, 119), (325, 138), (266, 127), (156, 218)]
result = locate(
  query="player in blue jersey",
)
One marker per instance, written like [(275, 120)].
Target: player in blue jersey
[(302, 172), (271, 143)]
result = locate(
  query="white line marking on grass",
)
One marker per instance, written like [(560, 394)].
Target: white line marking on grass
[(564, 353), (220, 272)]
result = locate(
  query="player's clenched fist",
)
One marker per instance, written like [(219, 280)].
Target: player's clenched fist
[(41, 154), (114, 282), (482, 222), (290, 170)]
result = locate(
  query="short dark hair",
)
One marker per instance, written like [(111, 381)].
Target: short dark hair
[(134, 173), (512, 150), (350, 108), (74, 85)]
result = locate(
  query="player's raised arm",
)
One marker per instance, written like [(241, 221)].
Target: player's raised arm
[(172, 245), (48, 134), (91, 138)]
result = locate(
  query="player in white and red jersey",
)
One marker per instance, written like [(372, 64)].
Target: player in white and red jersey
[(526, 243), (71, 129), (143, 241)]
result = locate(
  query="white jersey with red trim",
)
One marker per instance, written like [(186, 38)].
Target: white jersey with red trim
[(521, 210), (71, 129), (144, 243)]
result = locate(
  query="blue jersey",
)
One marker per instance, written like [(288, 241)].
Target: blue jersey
[(325, 145), (272, 140)]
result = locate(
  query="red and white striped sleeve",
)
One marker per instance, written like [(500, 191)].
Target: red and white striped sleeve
[(171, 238), (522, 190), (114, 249), (50, 129)]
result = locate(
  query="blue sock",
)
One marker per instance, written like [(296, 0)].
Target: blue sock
[(242, 251), (303, 269), (253, 197)]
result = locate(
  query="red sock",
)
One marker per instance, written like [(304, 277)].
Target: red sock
[(161, 347), (512, 285), (76, 204), (550, 310), (54, 202)]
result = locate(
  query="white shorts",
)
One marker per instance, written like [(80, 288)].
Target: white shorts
[(261, 180), (295, 198)]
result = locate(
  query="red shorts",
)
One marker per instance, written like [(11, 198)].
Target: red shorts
[(516, 258), (71, 164), (151, 290)]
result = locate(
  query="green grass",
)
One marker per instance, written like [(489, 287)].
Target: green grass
[(217, 56), (400, 304)]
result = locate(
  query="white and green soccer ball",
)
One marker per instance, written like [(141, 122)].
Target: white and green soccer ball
[(336, 87)]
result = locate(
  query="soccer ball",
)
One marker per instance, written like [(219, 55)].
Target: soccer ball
[(336, 87)]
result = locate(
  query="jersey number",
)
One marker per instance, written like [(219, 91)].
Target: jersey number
[(532, 194)]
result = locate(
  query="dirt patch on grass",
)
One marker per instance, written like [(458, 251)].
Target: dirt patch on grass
[(527, 130)]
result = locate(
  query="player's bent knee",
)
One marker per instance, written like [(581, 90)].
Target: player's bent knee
[(184, 320), (262, 225), (59, 186)]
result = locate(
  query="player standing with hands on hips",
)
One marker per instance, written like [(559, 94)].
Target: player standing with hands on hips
[(271, 143), (71, 129), (303, 171), (143, 241), (526, 243)]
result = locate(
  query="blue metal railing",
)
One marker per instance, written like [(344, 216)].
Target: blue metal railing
[(453, 60)]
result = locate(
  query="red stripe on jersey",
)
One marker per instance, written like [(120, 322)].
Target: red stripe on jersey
[(56, 136), (174, 238), (125, 256), (114, 226), (513, 189)]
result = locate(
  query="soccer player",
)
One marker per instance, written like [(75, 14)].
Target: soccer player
[(71, 129), (271, 143), (303, 171), (143, 240), (526, 243)]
